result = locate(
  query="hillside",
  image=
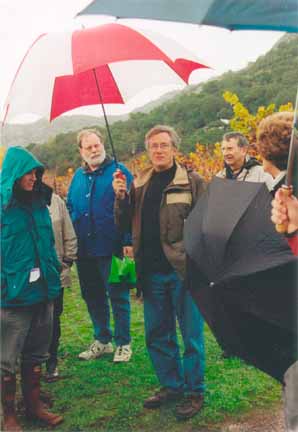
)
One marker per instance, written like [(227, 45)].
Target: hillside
[(41, 131), (196, 113)]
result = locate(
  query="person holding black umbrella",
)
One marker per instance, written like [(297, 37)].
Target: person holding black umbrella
[(237, 261), (273, 140)]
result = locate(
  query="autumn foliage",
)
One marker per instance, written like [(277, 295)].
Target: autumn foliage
[(207, 160), (245, 122), (204, 160)]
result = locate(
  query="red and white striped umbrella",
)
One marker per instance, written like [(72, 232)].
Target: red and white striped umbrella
[(108, 64)]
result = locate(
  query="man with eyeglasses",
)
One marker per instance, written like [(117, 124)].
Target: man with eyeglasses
[(155, 208), (91, 205)]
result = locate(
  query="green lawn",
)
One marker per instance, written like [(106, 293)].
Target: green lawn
[(101, 396)]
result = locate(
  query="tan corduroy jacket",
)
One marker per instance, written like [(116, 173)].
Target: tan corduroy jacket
[(65, 237)]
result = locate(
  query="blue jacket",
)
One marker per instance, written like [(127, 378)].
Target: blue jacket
[(90, 202)]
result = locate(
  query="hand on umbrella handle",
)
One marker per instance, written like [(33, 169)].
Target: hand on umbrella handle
[(283, 193), (119, 184), (120, 175)]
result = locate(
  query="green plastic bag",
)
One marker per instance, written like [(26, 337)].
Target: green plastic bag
[(123, 270)]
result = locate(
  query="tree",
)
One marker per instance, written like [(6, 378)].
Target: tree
[(245, 122)]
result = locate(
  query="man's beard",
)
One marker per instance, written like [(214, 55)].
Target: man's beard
[(95, 162)]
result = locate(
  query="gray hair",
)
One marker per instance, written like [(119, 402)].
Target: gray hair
[(160, 129), (86, 132), (242, 141)]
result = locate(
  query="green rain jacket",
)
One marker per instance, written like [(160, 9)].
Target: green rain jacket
[(27, 239)]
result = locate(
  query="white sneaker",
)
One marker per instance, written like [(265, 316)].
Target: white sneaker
[(96, 350), (123, 353)]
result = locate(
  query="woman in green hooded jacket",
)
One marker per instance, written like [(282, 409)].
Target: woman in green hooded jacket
[(29, 283)]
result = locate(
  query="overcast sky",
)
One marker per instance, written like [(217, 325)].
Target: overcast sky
[(21, 21)]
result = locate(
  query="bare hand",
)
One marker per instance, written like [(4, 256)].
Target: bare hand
[(119, 184), (285, 210), (128, 251)]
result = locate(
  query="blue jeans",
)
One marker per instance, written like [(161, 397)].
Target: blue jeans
[(96, 291), (165, 299)]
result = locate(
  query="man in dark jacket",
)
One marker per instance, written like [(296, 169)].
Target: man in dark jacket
[(91, 205), (159, 201), (29, 284)]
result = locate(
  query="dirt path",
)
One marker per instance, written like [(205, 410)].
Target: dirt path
[(258, 421)]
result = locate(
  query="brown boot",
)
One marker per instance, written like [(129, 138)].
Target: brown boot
[(161, 397), (189, 406), (35, 408), (8, 394)]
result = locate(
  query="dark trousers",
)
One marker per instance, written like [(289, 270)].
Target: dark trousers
[(25, 334), (97, 293), (53, 350)]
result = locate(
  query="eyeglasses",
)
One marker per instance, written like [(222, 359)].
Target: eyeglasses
[(161, 146)]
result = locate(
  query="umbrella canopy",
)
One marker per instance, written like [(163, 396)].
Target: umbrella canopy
[(108, 64), (243, 274), (231, 14)]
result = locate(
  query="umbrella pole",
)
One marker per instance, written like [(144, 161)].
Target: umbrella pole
[(291, 177), (105, 117), (291, 168)]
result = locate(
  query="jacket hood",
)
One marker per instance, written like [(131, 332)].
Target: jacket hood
[(249, 163), (17, 162)]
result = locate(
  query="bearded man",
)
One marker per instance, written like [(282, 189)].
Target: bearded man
[(91, 206)]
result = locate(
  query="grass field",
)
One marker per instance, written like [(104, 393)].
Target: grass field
[(102, 396)]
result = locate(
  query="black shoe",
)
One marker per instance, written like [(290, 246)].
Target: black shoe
[(52, 376), (189, 407), (161, 397)]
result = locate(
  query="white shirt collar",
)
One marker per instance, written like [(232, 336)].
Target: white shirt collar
[(277, 179)]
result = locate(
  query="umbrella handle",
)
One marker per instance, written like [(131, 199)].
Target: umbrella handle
[(286, 192)]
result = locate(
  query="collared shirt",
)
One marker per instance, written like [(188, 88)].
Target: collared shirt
[(277, 181)]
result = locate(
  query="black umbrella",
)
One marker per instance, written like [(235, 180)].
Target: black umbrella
[(242, 274)]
